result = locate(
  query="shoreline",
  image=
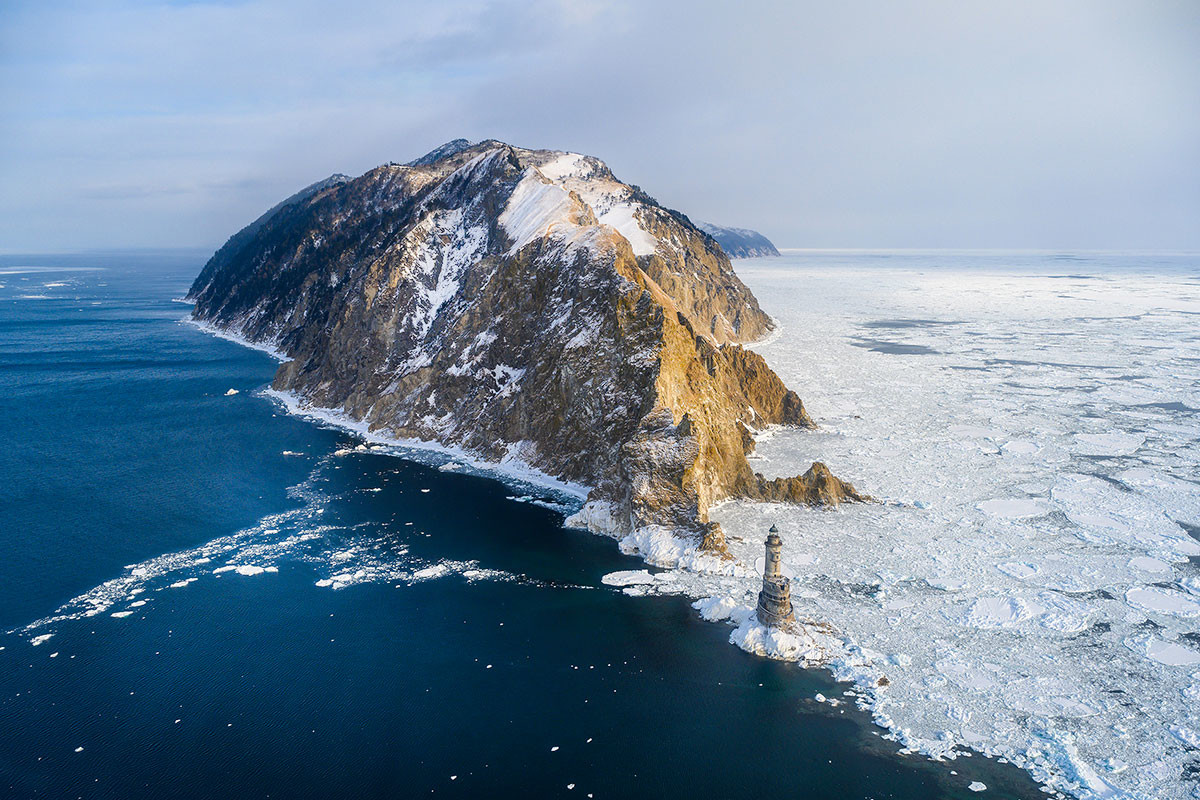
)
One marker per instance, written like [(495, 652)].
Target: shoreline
[(230, 336), (509, 471), (809, 647)]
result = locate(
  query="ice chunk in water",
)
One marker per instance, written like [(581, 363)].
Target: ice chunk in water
[(630, 577)]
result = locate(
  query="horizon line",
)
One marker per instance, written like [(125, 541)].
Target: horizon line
[(5, 253)]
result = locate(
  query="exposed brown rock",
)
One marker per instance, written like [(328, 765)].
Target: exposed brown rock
[(404, 298), (817, 487)]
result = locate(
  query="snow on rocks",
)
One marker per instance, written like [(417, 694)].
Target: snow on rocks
[(799, 644), (623, 218), (534, 209), (611, 201), (1007, 607), (719, 608), (597, 516), (663, 547)]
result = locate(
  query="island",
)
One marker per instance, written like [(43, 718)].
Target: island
[(527, 307)]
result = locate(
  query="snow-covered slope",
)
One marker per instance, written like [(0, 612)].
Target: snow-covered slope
[(526, 306)]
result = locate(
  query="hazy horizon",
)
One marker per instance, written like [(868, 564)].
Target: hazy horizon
[(924, 125)]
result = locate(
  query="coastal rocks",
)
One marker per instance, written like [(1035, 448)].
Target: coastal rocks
[(528, 307), (816, 487)]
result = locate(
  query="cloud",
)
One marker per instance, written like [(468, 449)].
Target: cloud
[(851, 124)]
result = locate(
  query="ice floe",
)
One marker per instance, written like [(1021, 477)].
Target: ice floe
[(1014, 508), (1163, 601), (999, 612), (1035, 606), (1108, 444), (1169, 653), (628, 578)]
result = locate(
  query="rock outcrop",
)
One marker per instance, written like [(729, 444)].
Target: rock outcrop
[(527, 306), (740, 242)]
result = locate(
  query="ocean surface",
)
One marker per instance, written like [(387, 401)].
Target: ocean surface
[(202, 595)]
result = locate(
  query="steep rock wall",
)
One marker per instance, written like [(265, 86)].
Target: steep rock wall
[(520, 304)]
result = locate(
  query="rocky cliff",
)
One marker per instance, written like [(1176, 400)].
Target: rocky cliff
[(524, 305), (740, 242)]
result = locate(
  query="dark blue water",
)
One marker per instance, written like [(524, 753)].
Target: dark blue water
[(471, 635)]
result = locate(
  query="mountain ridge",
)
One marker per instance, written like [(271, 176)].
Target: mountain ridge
[(739, 242), (523, 305)]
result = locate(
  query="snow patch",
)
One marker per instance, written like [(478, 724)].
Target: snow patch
[(534, 209), (623, 217)]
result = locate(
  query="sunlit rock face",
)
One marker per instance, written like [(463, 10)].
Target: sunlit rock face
[(527, 306)]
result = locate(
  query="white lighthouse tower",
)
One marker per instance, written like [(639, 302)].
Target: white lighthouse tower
[(775, 599)]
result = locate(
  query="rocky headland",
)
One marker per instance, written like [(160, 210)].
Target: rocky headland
[(528, 307), (740, 242)]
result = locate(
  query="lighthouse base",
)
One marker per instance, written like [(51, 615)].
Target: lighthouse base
[(775, 606)]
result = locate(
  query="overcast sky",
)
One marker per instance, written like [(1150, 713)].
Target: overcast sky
[(965, 123)]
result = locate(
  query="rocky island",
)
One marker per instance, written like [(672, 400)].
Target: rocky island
[(530, 308)]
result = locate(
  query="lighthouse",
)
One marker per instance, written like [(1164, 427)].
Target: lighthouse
[(775, 599)]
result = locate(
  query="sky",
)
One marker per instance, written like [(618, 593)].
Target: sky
[(902, 124)]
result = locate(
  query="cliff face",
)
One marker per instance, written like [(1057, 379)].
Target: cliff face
[(520, 304), (740, 242)]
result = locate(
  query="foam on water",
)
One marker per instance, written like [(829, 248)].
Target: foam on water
[(512, 469), (344, 556)]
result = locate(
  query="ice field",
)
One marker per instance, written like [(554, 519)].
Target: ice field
[(1030, 586)]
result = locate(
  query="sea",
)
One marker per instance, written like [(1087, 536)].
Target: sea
[(207, 592)]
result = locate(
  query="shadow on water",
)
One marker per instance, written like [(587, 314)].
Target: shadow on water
[(1172, 406), (893, 348), (900, 324)]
